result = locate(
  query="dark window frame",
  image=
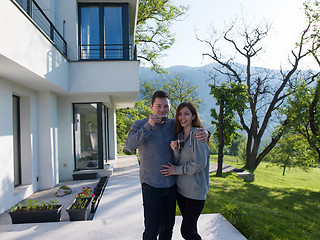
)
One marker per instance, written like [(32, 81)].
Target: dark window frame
[(101, 143), (126, 48), (18, 128)]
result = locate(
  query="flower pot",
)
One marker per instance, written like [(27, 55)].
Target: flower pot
[(80, 214), (35, 216)]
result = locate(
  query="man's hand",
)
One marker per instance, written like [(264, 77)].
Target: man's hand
[(153, 119), (202, 134)]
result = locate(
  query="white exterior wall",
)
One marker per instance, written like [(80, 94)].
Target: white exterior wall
[(35, 54), (29, 149), (48, 137), (67, 22), (39, 142), (47, 84), (112, 134), (65, 132), (6, 149), (104, 76)]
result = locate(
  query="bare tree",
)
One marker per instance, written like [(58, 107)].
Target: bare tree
[(266, 90)]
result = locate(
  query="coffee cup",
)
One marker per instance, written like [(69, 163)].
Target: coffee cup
[(164, 118)]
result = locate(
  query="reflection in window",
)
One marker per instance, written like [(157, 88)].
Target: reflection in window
[(90, 33), (113, 33), (86, 136)]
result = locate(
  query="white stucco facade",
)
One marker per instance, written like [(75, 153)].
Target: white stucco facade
[(47, 84)]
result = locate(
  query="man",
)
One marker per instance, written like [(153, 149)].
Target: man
[(152, 137)]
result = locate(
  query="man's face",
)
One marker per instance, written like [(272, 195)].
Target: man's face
[(160, 106)]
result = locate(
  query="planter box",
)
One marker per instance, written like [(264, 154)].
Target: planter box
[(98, 191), (35, 216), (80, 214)]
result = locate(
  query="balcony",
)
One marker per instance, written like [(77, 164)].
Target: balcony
[(33, 10), (108, 52)]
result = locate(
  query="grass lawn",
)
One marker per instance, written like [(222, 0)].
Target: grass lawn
[(271, 207)]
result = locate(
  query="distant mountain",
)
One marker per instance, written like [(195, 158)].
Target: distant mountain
[(198, 76), (201, 77)]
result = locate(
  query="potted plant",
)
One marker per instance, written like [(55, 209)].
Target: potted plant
[(80, 208), (36, 211)]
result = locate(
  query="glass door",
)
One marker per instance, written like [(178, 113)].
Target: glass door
[(90, 139), (86, 136)]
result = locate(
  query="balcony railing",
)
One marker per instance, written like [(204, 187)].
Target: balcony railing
[(108, 52), (40, 18)]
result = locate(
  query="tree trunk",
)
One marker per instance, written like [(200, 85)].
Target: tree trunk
[(250, 157), (285, 165), (284, 169), (221, 141)]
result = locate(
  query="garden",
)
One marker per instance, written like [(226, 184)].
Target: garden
[(273, 206)]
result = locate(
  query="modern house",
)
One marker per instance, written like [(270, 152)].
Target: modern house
[(65, 66)]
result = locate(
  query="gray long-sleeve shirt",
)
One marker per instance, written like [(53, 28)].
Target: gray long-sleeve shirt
[(153, 144), (192, 168)]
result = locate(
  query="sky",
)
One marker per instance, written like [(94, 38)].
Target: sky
[(285, 16)]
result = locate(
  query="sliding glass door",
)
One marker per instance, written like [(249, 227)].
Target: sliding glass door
[(90, 135)]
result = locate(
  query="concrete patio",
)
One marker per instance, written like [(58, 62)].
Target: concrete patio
[(119, 215)]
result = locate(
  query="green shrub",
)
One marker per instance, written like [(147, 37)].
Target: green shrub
[(244, 223)]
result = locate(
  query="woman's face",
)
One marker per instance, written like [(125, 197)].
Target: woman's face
[(185, 117)]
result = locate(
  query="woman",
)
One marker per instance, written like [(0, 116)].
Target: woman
[(192, 169)]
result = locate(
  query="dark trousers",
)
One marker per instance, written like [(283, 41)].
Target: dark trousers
[(159, 206), (190, 210)]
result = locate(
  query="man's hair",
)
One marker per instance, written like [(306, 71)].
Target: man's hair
[(159, 94)]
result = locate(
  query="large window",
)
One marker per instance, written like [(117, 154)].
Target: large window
[(104, 31), (90, 135)]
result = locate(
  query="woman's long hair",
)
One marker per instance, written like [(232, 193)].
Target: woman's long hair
[(196, 122)]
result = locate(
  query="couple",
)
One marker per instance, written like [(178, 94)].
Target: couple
[(169, 149)]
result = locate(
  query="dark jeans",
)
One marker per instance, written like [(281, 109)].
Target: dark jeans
[(159, 211), (190, 210)]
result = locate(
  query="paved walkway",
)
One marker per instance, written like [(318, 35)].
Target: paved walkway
[(118, 217)]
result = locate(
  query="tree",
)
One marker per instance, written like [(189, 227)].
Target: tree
[(292, 151), (178, 89), (153, 35), (231, 98), (266, 91), (234, 147), (298, 109), (312, 11), (126, 117)]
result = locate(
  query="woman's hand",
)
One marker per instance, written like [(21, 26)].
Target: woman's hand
[(168, 171), (174, 145)]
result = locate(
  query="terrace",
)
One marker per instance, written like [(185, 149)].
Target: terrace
[(119, 215)]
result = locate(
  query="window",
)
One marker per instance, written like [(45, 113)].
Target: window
[(103, 31), (16, 140)]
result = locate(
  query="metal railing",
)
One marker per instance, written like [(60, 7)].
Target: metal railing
[(107, 52), (40, 18)]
